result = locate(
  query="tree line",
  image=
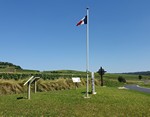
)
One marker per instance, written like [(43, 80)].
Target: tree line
[(7, 64)]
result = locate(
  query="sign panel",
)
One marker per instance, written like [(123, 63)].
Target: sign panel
[(32, 79), (76, 79), (29, 80)]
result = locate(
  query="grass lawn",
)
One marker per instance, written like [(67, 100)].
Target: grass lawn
[(108, 102)]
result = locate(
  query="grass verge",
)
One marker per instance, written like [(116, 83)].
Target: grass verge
[(108, 101)]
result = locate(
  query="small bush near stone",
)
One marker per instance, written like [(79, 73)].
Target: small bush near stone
[(121, 79)]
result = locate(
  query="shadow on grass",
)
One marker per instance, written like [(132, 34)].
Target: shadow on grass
[(19, 98), (85, 92)]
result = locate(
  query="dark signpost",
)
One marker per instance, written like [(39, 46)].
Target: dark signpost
[(101, 72)]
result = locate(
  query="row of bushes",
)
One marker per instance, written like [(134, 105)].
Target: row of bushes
[(17, 76), (49, 76), (14, 76)]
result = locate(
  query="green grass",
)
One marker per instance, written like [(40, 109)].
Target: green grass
[(108, 102)]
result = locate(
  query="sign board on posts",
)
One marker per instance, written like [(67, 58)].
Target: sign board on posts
[(29, 82), (76, 79)]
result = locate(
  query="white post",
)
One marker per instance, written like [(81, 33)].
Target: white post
[(35, 88), (87, 54), (93, 84)]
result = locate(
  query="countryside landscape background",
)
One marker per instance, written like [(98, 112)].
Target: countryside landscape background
[(57, 95), (40, 38)]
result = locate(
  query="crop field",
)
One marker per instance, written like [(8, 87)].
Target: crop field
[(109, 101)]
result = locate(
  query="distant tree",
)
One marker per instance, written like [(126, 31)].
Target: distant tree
[(140, 77), (101, 72), (18, 67), (121, 79)]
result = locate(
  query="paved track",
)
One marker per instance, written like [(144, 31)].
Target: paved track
[(138, 88)]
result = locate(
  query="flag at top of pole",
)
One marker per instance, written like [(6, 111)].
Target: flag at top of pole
[(85, 20), (82, 21)]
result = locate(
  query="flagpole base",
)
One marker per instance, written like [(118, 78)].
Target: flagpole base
[(86, 97), (94, 93)]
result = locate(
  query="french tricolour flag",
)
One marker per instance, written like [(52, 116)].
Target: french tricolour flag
[(82, 21)]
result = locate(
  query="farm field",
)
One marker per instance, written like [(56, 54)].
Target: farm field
[(109, 101)]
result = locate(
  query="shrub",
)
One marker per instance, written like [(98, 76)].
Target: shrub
[(113, 83), (140, 77), (121, 79)]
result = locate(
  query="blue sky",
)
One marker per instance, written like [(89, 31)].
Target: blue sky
[(42, 34)]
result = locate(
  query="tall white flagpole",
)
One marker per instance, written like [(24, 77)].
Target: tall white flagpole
[(87, 54)]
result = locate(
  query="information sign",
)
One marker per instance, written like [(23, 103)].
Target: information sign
[(76, 79)]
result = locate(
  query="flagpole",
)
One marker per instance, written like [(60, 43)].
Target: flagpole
[(87, 54)]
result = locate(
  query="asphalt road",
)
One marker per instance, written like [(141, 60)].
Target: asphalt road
[(138, 88)]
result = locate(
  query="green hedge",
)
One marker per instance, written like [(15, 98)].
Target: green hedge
[(44, 76)]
